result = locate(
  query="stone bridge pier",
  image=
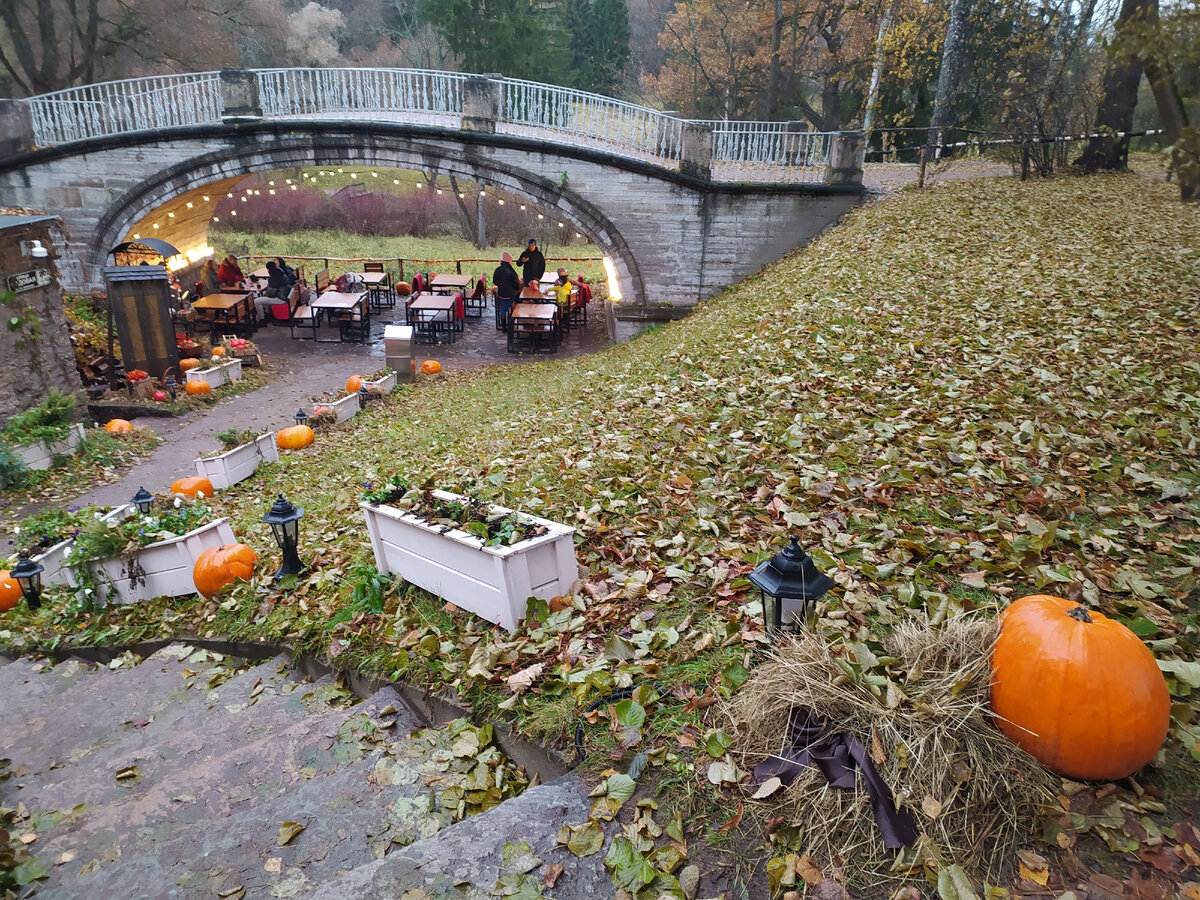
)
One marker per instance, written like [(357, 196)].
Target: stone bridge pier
[(672, 238)]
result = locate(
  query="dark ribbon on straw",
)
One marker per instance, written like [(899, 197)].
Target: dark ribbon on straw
[(813, 741)]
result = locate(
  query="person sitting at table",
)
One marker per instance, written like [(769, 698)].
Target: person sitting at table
[(210, 279), (287, 270), (532, 263), (230, 272), (562, 288), (278, 284), (508, 285)]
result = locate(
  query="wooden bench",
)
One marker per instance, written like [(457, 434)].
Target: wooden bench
[(322, 281), (302, 315)]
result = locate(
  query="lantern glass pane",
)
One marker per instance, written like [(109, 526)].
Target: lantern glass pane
[(278, 529)]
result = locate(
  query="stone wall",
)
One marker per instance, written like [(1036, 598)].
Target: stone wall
[(36, 356)]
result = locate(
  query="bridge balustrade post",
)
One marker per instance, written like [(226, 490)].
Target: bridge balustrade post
[(844, 165), (16, 128), (239, 95), (696, 150), (481, 103)]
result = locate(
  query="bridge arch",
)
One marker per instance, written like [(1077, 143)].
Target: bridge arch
[(391, 151)]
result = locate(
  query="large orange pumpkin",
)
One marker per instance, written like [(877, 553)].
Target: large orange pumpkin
[(198, 388), (430, 367), (188, 363), (10, 591), (403, 288), (218, 352), (294, 437), (219, 566), (190, 487), (118, 426), (353, 383), (1076, 690)]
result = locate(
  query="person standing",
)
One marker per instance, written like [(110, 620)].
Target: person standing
[(532, 263), (508, 286)]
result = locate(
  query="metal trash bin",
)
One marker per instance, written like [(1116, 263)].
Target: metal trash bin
[(398, 351)]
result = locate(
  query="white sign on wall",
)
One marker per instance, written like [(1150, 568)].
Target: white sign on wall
[(27, 281)]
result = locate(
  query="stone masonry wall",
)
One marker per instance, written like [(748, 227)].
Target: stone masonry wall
[(35, 356)]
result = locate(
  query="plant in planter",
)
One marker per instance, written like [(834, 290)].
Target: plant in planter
[(482, 557), (145, 555), (39, 434), (48, 537), (322, 415)]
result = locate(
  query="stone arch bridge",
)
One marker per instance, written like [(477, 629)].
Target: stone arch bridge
[(680, 208)]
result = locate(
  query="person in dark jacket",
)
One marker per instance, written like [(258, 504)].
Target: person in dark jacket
[(508, 286), (278, 284), (287, 270), (532, 263)]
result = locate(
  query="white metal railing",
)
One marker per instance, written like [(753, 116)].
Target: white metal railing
[(301, 92), (644, 131), (780, 151), (786, 144), (120, 107)]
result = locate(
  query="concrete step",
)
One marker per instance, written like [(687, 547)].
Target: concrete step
[(468, 858)]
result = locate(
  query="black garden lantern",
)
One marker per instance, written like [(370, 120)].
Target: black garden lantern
[(363, 396), (143, 500), (301, 417), (284, 520), (28, 575), (791, 585), (171, 385)]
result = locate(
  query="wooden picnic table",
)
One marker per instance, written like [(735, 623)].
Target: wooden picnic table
[(450, 283), (228, 308), (535, 321), (373, 278), (335, 302), (260, 273), (429, 311)]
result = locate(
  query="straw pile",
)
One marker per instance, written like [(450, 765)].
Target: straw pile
[(973, 793)]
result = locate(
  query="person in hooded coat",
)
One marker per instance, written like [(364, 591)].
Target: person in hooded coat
[(532, 263), (508, 286)]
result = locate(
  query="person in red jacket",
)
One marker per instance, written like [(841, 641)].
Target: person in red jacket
[(230, 272)]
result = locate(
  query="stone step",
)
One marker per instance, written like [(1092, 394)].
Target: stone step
[(468, 858)]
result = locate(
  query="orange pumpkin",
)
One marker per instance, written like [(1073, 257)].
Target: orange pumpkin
[(218, 351), (188, 363), (118, 426), (219, 566), (193, 486), (353, 383), (294, 437), (10, 591), (1076, 690), (430, 367), (403, 288), (198, 388)]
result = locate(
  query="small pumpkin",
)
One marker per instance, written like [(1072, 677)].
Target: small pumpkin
[(118, 426), (193, 486), (403, 288), (188, 363), (353, 383), (294, 437), (219, 566), (1077, 690), (218, 352), (198, 388), (430, 367), (10, 591)]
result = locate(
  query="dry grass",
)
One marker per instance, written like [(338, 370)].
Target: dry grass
[(973, 793)]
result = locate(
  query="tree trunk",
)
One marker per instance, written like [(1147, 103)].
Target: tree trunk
[(954, 57), (876, 72), (1115, 115), (1185, 154), (771, 106)]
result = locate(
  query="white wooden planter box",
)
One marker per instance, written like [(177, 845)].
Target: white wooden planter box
[(384, 385), (218, 375), (346, 408), (55, 559), (40, 456), (166, 566), (495, 583), (239, 463)]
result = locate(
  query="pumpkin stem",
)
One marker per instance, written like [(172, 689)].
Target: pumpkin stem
[(1080, 614)]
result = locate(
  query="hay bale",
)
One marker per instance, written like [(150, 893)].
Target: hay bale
[(974, 794)]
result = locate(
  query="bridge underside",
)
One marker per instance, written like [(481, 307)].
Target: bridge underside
[(673, 240)]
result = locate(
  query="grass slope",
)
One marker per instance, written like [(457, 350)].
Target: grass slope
[(955, 398)]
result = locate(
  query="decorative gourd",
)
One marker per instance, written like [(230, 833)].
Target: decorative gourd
[(10, 591), (219, 566), (218, 352), (118, 426), (294, 437), (160, 396), (430, 367), (190, 487), (188, 363), (1076, 690), (353, 383), (198, 388)]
